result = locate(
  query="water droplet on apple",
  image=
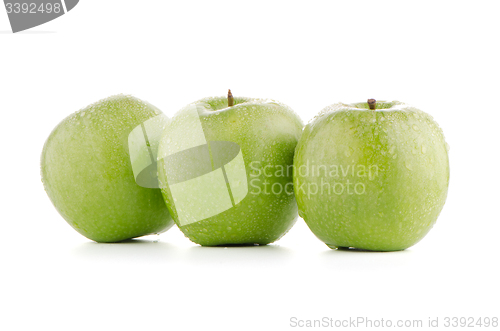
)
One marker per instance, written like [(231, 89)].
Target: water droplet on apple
[(415, 127), (348, 151), (392, 149), (424, 149), (408, 165)]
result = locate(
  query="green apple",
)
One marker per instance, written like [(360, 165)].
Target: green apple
[(225, 169), (371, 175), (87, 172)]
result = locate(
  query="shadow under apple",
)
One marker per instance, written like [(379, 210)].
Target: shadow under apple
[(129, 250), (358, 259), (239, 255)]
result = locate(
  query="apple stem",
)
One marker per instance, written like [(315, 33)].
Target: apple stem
[(230, 99), (372, 103)]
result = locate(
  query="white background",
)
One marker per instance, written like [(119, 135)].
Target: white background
[(442, 57)]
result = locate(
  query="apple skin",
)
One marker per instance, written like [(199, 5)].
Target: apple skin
[(401, 201), (267, 133), (87, 173)]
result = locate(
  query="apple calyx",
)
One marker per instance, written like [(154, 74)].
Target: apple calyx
[(372, 103), (230, 99)]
